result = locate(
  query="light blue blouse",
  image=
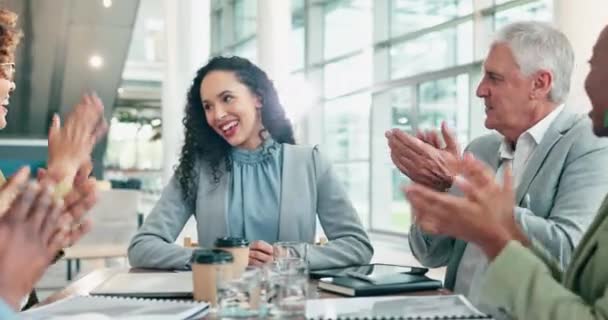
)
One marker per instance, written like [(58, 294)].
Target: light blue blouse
[(255, 192), (6, 312)]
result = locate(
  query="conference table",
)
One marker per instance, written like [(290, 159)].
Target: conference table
[(87, 283)]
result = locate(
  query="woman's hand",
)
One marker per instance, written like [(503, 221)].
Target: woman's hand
[(32, 231), (70, 146), (260, 253), (11, 189)]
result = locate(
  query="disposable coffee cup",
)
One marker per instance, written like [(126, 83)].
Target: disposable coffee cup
[(208, 266), (239, 248)]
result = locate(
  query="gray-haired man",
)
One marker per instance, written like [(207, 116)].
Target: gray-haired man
[(558, 165)]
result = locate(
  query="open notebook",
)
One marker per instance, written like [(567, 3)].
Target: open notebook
[(117, 308), (147, 285), (403, 308)]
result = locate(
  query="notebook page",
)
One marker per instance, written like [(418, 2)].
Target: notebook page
[(417, 307), (149, 284), (117, 308)]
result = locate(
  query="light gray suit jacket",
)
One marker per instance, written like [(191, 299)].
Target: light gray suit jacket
[(558, 196), (309, 188)]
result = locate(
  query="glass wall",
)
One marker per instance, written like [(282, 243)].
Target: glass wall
[(381, 64)]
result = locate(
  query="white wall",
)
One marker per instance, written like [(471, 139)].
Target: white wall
[(581, 21)]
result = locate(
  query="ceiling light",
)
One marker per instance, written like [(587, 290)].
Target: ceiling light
[(120, 90), (107, 3), (96, 61)]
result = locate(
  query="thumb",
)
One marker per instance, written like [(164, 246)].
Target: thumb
[(55, 125), (41, 174), (451, 144), (12, 188), (507, 184)]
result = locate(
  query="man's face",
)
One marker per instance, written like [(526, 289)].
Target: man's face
[(595, 85), (506, 93)]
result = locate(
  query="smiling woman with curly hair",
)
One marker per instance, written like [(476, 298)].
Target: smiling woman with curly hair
[(241, 175)]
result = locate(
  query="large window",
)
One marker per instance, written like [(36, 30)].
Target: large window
[(245, 14), (433, 51), (413, 15), (536, 10), (348, 75), (347, 26)]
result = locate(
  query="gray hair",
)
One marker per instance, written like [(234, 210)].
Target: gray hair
[(539, 46)]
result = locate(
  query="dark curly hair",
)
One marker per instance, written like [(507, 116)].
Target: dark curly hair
[(203, 143)]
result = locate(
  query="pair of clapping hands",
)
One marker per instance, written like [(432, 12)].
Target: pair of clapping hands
[(39, 218), (484, 215)]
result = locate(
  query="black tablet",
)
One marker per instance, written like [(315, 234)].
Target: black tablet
[(374, 270)]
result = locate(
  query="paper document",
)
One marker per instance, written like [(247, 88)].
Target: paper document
[(147, 285), (117, 308), (413, 307)]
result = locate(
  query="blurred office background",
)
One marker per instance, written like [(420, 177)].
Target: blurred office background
[(346, 70)]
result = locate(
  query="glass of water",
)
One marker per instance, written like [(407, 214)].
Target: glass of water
[(289, 250), (290, 287), (241, 297)]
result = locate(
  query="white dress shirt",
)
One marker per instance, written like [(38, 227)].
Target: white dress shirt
[(474, 263)]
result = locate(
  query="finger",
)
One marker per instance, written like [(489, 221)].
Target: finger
[(85, 201), (438, 204), (98, 103), (410, 142), (11, 189), (477, 172), (255, 262), (470, 191), (429, 225), (41, 174), (262, 246), (507, 185), (402, 163), (259, 255), (55, 126), (16, 181), (451, 143), (434, 139), (398, 147), (89, 186), (59, 240), (100, 130), (83, 228), (61, 235), (51, 222), (88, 99), (83, 172), (443, 213), (40, 208), (24, 202)]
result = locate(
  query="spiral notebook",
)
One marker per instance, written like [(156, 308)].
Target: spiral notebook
[(117, 308), (403, 308)]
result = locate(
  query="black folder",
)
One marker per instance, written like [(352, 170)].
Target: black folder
[(389, 284)]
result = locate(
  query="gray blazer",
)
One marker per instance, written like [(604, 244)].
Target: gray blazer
[(309, 189), (558, 196)]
